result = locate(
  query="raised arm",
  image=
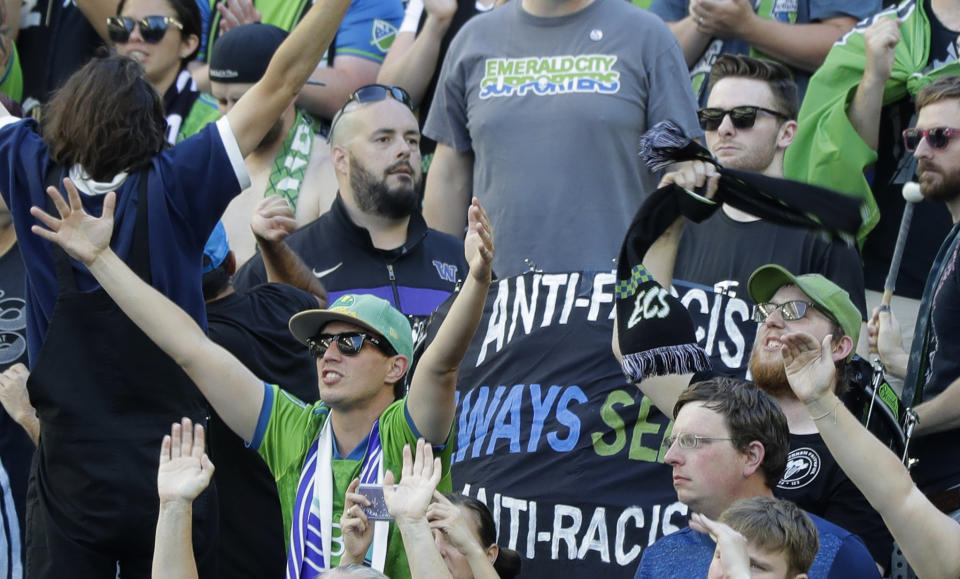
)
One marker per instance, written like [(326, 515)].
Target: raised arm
[(260, 107), (97, 12), (659, 260), (691, 40), (16, 401), (448, 190), (927, 537), (413, 56), (880, 40), (408, 505), (449, 520), (185, 470), (233, 391), (431, 400), (803, 46), (272, 222)]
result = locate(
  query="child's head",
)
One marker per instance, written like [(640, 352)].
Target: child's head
[(781, 539)]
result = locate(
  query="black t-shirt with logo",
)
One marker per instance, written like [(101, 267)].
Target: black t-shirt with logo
[(815, 482)]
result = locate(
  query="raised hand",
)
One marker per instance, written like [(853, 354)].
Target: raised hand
[(80, 234), (808, 364), (418, 480), (234, 13), (448, 519), (273, 219), (722, 18), (13, 392), (692, 175), (185, 469), (883, 331), (442, 10), (732, 546), (357, 530), (478, 243), (880, 41)]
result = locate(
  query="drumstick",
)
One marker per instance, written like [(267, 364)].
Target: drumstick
[(912, 195)]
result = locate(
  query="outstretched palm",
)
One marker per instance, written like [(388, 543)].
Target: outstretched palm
[(808, 364), (80, 234), (185, 469), (478, 242)]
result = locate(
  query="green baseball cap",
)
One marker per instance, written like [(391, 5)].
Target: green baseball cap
[(831, 298), (364, 310)]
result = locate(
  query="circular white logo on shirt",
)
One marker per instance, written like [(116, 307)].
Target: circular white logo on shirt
[(803, 466)]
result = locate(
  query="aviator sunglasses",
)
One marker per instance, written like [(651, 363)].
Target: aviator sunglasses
[(348, 343), (937, 137), (370, 94), (742, 117), (789, 311), (152, 28)]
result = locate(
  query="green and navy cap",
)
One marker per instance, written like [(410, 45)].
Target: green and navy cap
[(364, 310), (828, 296)]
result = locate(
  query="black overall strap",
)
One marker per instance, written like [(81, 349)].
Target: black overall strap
[(139, 257)]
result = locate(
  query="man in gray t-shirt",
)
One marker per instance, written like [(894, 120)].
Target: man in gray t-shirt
[(538, 113)]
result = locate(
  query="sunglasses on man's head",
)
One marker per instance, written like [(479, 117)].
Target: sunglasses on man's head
[(348, 343), (937, 137), (152, 28), (370, 94), (742, 117)]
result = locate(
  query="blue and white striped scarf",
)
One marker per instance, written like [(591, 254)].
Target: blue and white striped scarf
[(312, 528)]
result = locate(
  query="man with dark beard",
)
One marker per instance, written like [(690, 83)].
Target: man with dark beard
[(932, 368), (374, 240), (291, 161)]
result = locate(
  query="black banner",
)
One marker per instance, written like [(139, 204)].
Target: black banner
[(551, 437)]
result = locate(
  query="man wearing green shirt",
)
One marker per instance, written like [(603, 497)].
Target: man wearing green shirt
[(363, 348)]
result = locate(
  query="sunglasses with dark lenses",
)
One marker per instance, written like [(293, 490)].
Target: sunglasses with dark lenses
[(348, 343), (742, 117), (370, 94), (789, 311), (152, 28), (937, 137)]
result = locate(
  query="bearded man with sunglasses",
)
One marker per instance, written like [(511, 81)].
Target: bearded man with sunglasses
[(374, 239), (748, 124), (931, 370)]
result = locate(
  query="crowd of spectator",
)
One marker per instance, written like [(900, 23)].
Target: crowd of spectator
[(227, 227)]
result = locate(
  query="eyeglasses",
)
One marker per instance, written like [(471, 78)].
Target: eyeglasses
[(688, 440), (789, 311), (742, 117), (349, 343), (152, 28), (937, 138), (370, 94)]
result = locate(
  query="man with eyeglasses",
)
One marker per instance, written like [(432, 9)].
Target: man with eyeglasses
[(363, 349), (374, 239), (748, 124), (729, 442), (931, 369), (816, 305), (291, 161)]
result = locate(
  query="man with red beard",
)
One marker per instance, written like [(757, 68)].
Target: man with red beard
[(812, 479), (932, 368)]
